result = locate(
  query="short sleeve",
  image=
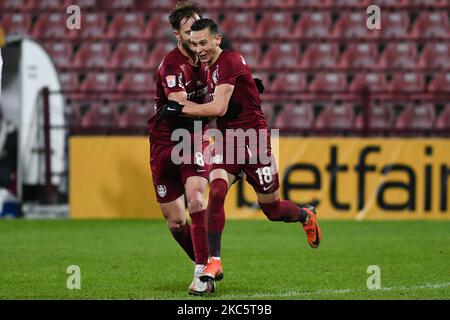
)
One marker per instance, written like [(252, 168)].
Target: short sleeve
[(172, 79), (232, 67)]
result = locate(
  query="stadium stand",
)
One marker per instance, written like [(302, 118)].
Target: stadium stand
[(338, 116), (313, 25), (416, 116), (92, 54), (320, 55), (283, 55), (443, 122), (295, 116), (302, 49), (128, 55)]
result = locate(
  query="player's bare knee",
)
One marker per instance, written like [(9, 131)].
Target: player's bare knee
[(196, 202), (175, 225)]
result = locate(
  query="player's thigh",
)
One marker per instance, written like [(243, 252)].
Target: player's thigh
[(174, 212), (167, 179), (264, 180)]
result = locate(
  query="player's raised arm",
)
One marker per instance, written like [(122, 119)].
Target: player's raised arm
[(216, 108)]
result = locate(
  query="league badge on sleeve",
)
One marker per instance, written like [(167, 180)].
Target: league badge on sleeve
[(171, 81)]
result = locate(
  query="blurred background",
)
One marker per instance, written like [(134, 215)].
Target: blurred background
[(80, 100)]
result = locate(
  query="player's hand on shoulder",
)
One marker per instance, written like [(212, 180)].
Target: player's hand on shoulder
[(259, 85), (170, 109)]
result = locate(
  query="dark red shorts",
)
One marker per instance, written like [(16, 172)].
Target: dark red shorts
[(257, 163), (169, 178)]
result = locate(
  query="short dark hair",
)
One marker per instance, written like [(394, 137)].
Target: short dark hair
[(183, 10), (205, 23)]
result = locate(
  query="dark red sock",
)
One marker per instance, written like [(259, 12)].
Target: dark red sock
[(283, 210), (183, 236), (198, 234), (216, 215)]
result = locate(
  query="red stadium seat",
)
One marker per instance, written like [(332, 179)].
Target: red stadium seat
[(328, 82), (206, 5), (140, 82), (435, 55), (320, 55), (349, 3), (155, 4), (269, 113), (391, 3), (313, 25), (69, 81), (440, 83), (126, 25), (289, 83), (281, 56), (421, 116), (399, 55), (158, 52), (242, 5), (73, 114), (443, 121), (352, 25), (295, 116), (116, 4), (100, 117), (135, 116), (431, 25), (129, 55), (375, 82), (61, 52), (430, 3), (239, 24), (85, 4), (282, 4), (381, 116), (50, 26), (14, 4), (359, 55), (46, 4), (158, 27), (318, 4), (92, 54), (16, 24), (274, 25), (394, 24), (408, 82), (98, 82), (339, 116), (93, 25), (251, 51)]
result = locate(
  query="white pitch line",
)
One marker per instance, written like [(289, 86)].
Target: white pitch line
[(337, 291)]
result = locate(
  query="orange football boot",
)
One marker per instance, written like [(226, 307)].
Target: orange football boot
[(311, 227), (212, 271)]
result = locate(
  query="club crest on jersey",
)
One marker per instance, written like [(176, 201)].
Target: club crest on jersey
[(162, 190), (171, 81), (217, 159), (215, 75)]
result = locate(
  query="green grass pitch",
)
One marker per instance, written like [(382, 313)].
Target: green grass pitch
[(138, 259)]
